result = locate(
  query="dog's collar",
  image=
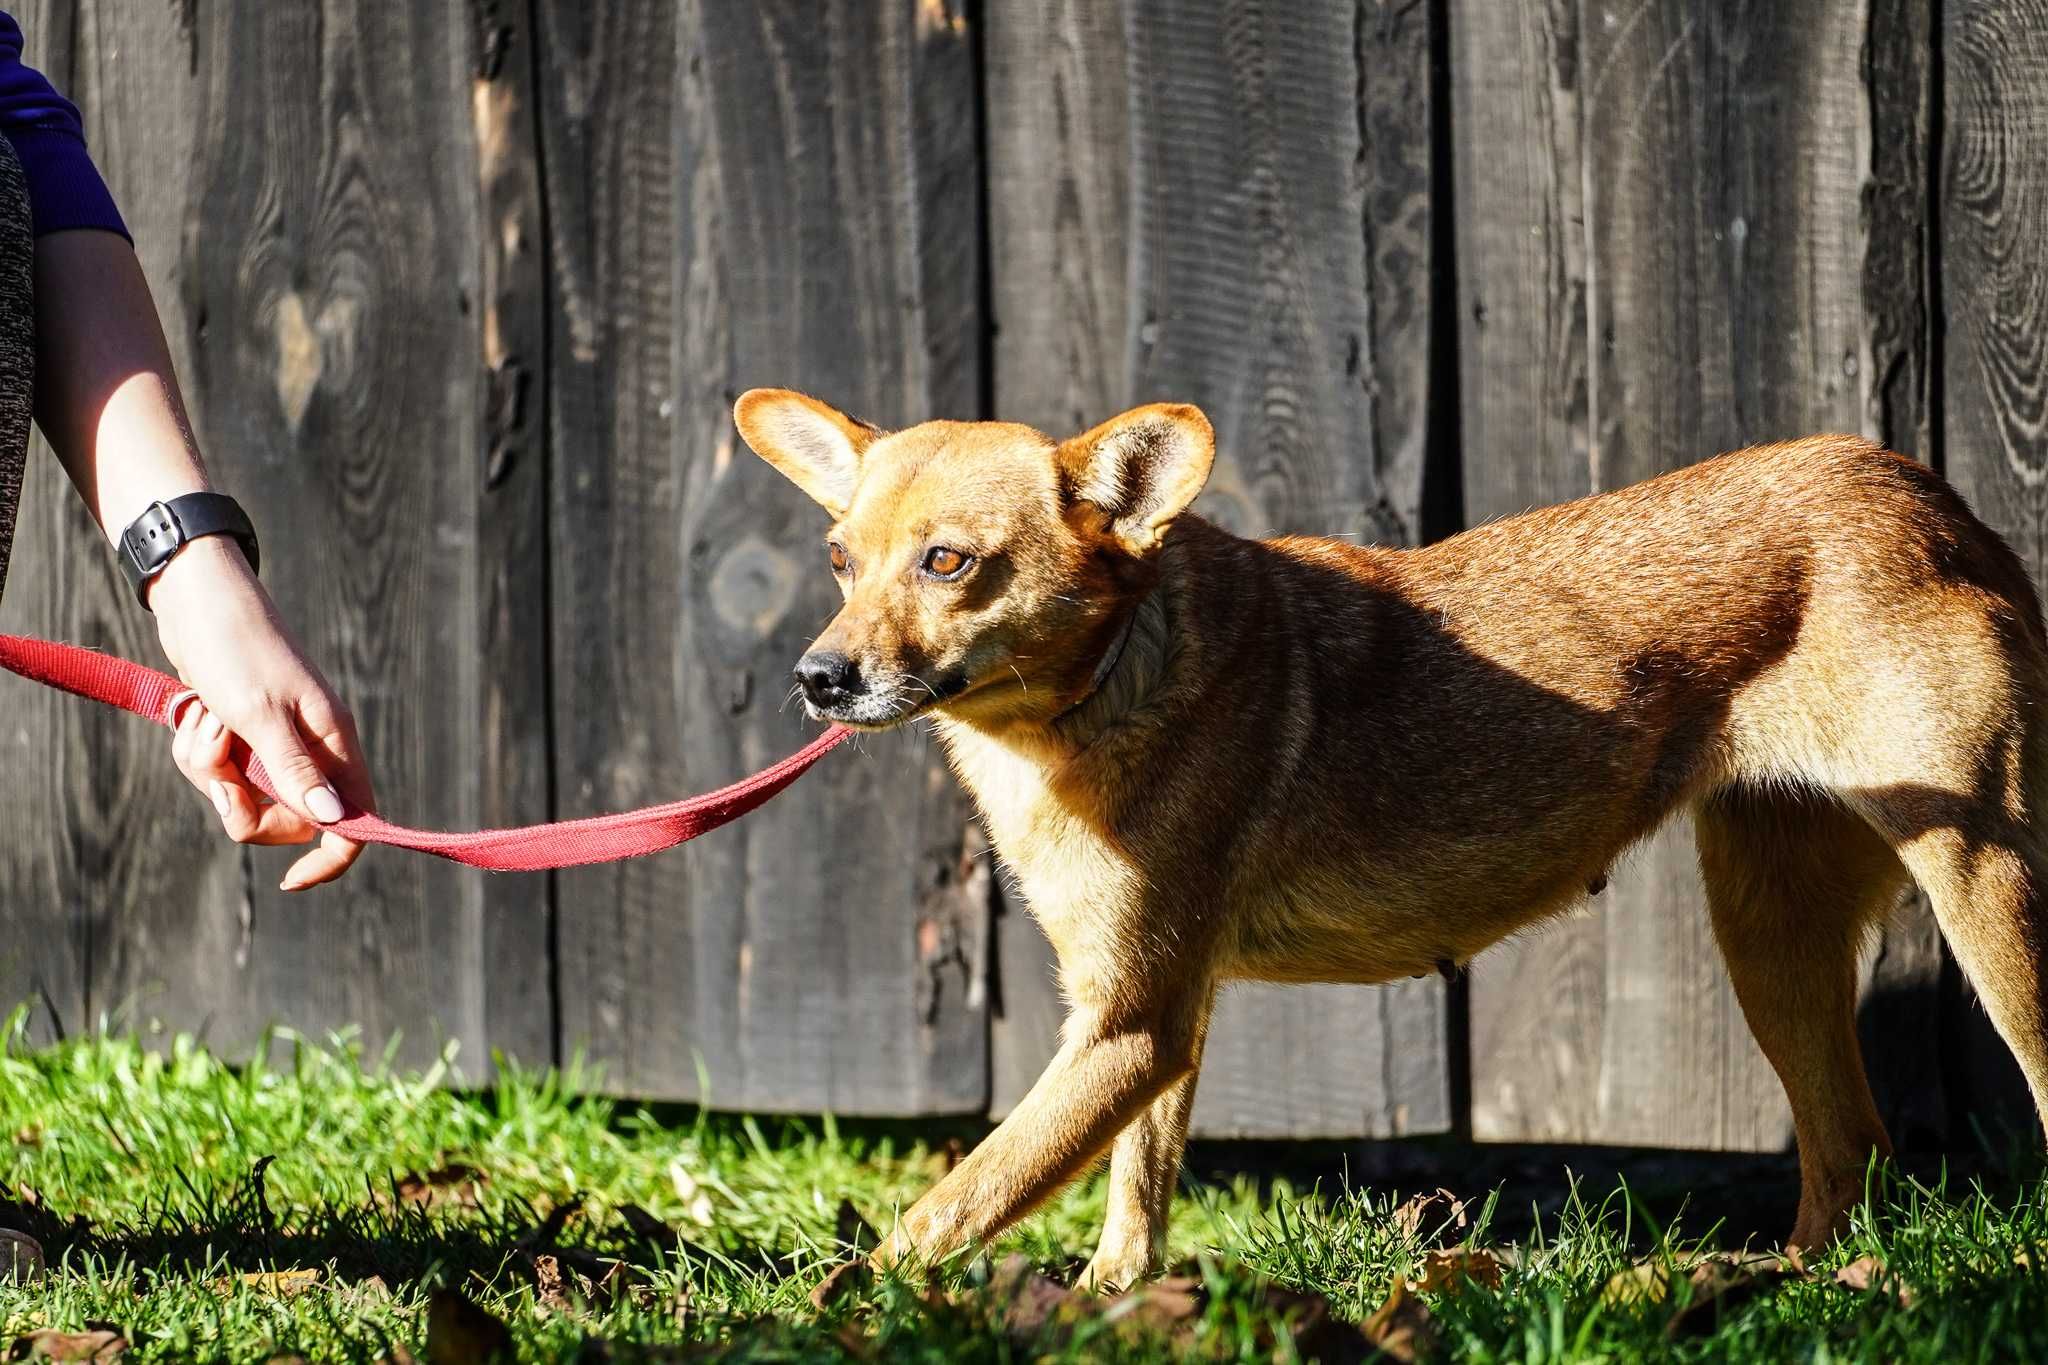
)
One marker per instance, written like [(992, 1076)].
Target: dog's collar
[(1108, 666)]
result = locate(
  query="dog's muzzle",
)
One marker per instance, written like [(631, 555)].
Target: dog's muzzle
[(828, 678)]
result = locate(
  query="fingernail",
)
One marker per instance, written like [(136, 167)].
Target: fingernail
[(324, 804), (291, 886), (214, 729), (220, 798)]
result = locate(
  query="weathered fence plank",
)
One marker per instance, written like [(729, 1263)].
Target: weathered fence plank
[(1228, 204), (1720, 157), (326, 308), (75, 791), (746, 194), (1535, 1004), (1903, 1001), (517, 779), (1994, 366), (1058, 110)]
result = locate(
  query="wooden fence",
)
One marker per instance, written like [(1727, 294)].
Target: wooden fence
[(462, 291)]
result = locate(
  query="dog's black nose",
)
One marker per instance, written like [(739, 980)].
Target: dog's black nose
[(827, 677)]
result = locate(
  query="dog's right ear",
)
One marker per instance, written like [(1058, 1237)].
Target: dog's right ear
[(1141, 470), (814, 444)]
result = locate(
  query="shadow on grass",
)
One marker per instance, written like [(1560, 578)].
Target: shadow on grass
[(389, 1237), (1733, 1199)]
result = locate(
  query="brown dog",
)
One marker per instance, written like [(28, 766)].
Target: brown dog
[(1206, 758)]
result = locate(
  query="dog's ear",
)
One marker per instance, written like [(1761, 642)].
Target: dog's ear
[(1141, 470), (814, 444)]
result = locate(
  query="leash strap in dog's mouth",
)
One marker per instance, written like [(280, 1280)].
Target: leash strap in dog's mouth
[(533, 848)]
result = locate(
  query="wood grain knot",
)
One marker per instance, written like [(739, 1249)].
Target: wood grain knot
[(306, 344), (753, 587)]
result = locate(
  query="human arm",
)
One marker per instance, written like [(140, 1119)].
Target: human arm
[(107, 399)]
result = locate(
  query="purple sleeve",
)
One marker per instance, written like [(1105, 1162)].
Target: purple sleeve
[(64, 187)]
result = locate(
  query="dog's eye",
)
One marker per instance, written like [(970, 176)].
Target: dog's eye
[(941, 562), (838, 555)]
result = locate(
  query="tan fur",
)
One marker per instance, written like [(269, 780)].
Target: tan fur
[(1316, 761)]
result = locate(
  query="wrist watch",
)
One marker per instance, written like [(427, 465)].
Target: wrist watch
[(164, 528)]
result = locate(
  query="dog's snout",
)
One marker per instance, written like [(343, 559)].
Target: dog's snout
[(827, 677)]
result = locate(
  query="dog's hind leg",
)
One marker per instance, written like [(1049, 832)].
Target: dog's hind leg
[(1990, 896), (1974, 833), (1793, 884), (1144, 1171)]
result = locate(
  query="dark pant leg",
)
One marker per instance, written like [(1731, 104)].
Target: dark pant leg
[(17, 340)]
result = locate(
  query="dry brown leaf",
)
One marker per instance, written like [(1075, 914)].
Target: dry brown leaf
[(1165, 1305), (1029, 1306), (97, 1343), (461, 1333), (1401, 1327), (1028, 1300), (1172, 1308), (1720, 1286), (283, 1284), (1318, 1334), (1035, 1310), (855, 1343), (564, 1275), (454, 1183), (1643, 1282), (547, 1285), (1649, 1281), (616, 1280), (1866, 1273), (1428, 1209), (1757, 1262), (1448, 1270)]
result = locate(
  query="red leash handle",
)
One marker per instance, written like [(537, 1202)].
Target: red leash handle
[(533, 848)]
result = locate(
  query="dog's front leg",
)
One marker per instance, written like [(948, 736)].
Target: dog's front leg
[(1103, 1075), (1144, 1171)]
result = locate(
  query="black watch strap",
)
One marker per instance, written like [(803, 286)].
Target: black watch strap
[(164, 528)]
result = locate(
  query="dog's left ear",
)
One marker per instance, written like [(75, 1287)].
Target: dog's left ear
[(816, 445), (1141, 470)]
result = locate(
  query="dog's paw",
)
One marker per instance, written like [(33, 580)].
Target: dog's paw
[(1110, 1272), (891, 1253)]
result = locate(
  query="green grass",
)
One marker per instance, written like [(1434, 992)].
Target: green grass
[(159, 1181)]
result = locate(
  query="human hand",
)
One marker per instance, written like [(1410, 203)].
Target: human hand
[(222, 633)]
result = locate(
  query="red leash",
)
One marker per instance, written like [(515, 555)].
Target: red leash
[(533, 848)]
